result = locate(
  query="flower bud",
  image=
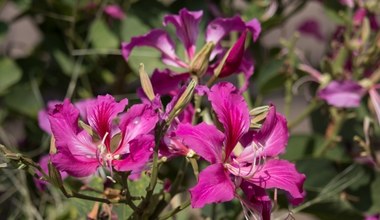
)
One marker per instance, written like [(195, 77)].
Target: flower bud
[(145, 83), (55, 176), (182, 101), (200, 62), (258, 115), (233, 58)]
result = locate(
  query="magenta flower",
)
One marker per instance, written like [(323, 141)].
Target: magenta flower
[(255, 168), (343, 94), (81, 150), (187, 29), (311, 27), (114, 11)]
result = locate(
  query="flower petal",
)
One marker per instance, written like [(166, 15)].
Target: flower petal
[(232, 112), (114, 11), (166, 82), (65, 161), (43, 116), (139, 120), (234, 57), (214, 186), (186, 25), (102, 112), (220, 27), (375, 99), (140, 151), (158, 39), (204, 139), (269, 141), (283, 175), (257, 199), (343, 94)]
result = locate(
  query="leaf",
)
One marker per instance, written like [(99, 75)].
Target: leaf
[(67, 64), (23, 100), (318, 172), (101, 36), (10, 74), (269, 77)]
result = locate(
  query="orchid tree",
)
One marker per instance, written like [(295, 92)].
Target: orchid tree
[(166, 113)]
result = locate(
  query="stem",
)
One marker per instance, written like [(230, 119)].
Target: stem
[(337, 125), (175, 211), (314, 104), (288, 96), (246, 94), (197, 106)]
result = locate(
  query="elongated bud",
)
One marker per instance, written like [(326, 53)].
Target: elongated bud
[(258, 115), (145, 83), (183, 100), (53, 148), (234, 57), (200, 62), (55, 176)]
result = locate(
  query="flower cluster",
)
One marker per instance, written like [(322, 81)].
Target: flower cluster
[(103, 135)]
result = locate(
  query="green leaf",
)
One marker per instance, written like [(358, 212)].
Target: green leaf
[(10, 74), (319, 172), (23, 100), (101, 36), (269, 77), (67, 63)]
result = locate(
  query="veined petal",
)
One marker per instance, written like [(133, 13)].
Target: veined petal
[(82, 106), (269, 141), (43, 116), (343, 94), (68, 138), (220, 27), (257, 199), (166, 82), (140, 152), (283, 175), (102, 112), (65, 161), (139, 120), (214, 186), (158, 39), (206, 140), (232, 112), (186, 25)]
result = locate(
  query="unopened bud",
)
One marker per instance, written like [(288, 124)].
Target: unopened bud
[(145, 83), (55, 176), (200, 62), (183, 100)]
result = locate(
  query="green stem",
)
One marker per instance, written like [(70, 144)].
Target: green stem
[(175, 211), (314, 104), (288, 96), (339, 118), (246, 94)]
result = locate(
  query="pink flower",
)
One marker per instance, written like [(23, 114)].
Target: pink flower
[(187, 29), (43, 162), (255, 168), (342, 94), (114, 11), (82, 149)]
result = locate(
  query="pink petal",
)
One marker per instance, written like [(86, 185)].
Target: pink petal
[(247, 68), (204, 139), (269, 141), (283, 175), (158, 39), (232, 112), (359, 16), (214, 186), (114, 11), (166, 82), (187, 28), (235, 57), (344, 94), (102, 112), (140, 152), (43, 116), (311, 27), (220, 27), (257, 199), (139, 120), (65, 161), (82, 106)]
